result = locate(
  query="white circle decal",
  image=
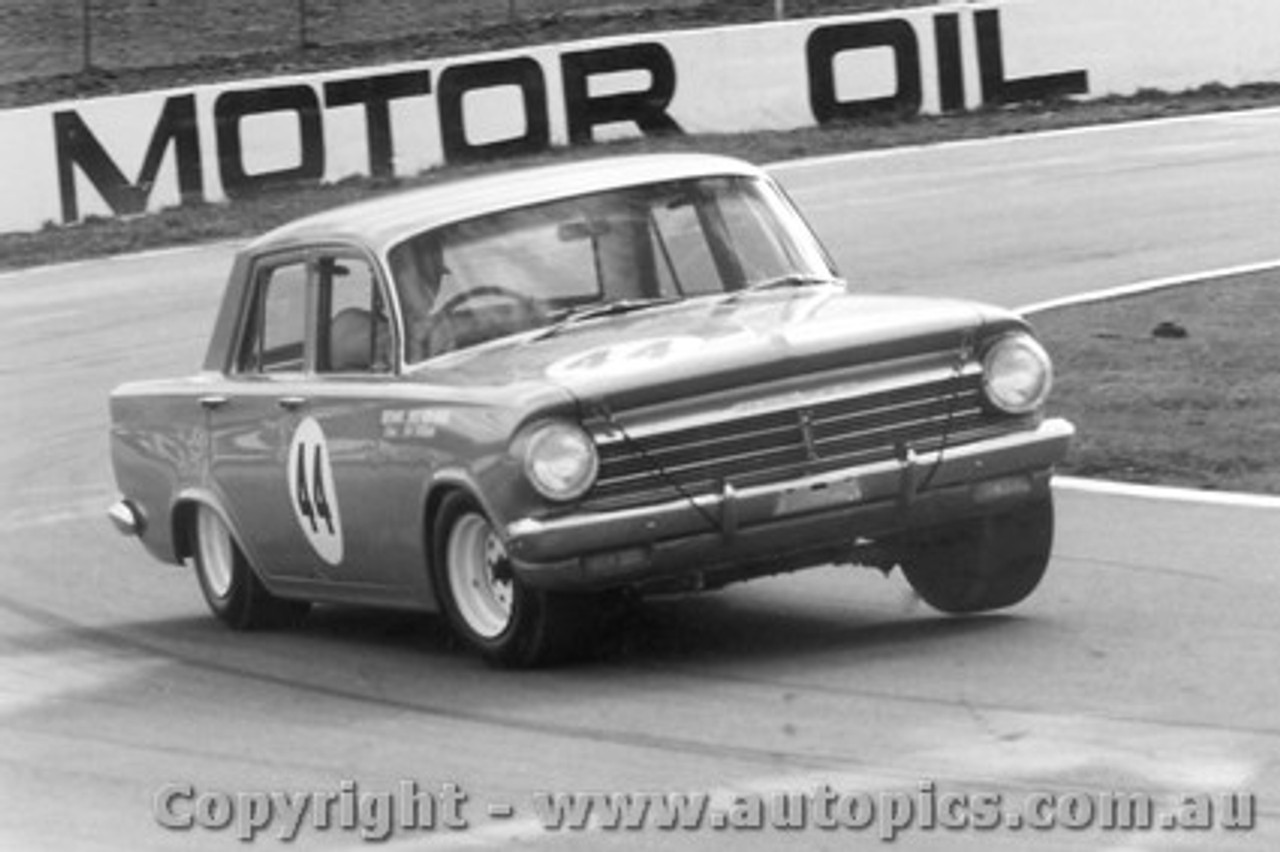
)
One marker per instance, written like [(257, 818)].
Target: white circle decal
[(315, 501)]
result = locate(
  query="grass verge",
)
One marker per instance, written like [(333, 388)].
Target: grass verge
[(1200, 410)]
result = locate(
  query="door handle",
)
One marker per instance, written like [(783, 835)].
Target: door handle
[(209, 403), (291, 403)]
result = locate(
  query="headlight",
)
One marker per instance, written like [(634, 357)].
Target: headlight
[(1017, 374), (560, 460)]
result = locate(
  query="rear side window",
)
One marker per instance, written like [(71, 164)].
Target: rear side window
[(275, 341), (353, 331)]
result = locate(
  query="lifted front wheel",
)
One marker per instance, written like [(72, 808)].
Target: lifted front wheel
[(984, 564)]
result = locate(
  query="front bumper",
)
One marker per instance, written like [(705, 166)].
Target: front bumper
[(782, 526)]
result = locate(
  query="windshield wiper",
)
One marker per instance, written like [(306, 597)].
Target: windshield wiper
[(791, 279), (572, 316)]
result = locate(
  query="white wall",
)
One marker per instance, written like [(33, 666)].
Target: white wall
[(725, 80)]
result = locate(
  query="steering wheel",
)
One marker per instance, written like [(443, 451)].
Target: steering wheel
[(440, 332), (455, 302)]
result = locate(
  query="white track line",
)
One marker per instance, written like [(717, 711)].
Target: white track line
[(1167, 493), (1154, 284)]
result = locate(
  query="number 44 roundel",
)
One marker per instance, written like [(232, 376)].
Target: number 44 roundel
[(315, 503)]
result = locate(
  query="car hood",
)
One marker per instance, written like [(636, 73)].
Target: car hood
[(700, 345)]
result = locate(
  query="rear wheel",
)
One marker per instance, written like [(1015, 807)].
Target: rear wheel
[(985, 564), (231, 588), (509, 623)]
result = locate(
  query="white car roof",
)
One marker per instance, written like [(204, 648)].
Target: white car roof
[(381, 222)]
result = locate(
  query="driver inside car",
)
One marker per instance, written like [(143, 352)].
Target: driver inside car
[(447, 310), (420, 275)]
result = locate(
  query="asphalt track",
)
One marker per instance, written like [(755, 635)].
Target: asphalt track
[(1146, 662)]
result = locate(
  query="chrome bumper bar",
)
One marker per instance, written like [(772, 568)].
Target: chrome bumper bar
[(874, 499)]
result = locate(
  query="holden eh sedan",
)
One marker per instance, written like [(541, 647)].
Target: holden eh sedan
[(513, 398)]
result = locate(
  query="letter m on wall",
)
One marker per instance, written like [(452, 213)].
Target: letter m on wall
[(79, 148)]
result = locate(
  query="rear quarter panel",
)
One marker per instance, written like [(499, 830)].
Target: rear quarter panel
[(159, 449)]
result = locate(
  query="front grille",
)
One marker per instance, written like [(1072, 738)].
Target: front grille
[(797, 441)]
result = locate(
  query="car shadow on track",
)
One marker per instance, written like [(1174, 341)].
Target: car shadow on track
[(770, 620), (730, 626), (774, 619), (712, 628)]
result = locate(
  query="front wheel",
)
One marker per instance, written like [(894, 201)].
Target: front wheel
[(984, 564), (232, 590), (510, 623)]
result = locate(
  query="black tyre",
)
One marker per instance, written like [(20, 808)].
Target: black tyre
[(509, 623), (231, 588), (985, 564)]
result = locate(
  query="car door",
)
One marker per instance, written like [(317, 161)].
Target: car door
[(255, 413), (355, 394), (297, 427)]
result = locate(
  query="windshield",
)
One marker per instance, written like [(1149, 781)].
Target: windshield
[(533, 267)]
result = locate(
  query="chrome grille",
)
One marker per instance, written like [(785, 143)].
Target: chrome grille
[(829, 434)]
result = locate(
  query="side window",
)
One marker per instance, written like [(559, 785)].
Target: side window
[(354, 335), (275, 339)]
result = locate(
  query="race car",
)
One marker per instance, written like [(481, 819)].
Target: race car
[(514, 398)]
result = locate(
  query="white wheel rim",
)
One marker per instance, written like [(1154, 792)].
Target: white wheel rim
[(474, 556), (216, 552)]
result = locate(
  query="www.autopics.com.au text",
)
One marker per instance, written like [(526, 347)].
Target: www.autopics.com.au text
[(414, 807)]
